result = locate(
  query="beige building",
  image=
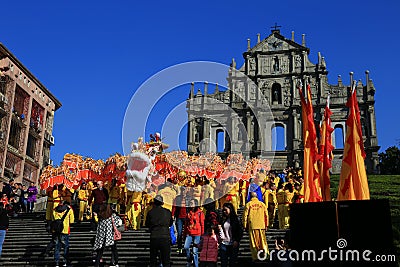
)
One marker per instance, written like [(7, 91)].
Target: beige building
[(26, 121)]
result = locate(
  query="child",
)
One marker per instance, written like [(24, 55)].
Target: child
[(209, 248), (4, 200)]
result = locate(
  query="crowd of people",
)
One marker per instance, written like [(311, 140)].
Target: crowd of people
[(203, 216), (17, 198)]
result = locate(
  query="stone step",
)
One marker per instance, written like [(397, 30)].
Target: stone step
[(27, 239)]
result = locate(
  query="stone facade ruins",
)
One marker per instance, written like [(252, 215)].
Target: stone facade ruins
[(262, 96)]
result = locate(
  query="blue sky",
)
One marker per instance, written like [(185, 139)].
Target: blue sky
[(93, 55)]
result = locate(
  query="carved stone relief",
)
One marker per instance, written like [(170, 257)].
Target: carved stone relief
[(297, 61), (287, 97), (252, 66)]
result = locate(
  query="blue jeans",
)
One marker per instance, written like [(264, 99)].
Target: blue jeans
[(30, 206), (2, 237), (179, 228), (188, 241), (228, 254), (64, 240)]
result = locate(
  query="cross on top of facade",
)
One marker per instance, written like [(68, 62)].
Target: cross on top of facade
[(275, 28)]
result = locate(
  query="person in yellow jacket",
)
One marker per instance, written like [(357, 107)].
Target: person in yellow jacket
[(261, 177), (197, 192), (265, 192), (272, 204), (66, 194), (207, 191), (276, 179), (83, 195), (135, 210), (50, 202), (122, 198), (243, 192), (168, 193), (90, 187), (281, 199), (128, 206), (255, 221), (219, 193), (296, 192), (301, 191), (63, 239), (57, 195), (148, 199), (114, 194), (231, 193), (289, 194)]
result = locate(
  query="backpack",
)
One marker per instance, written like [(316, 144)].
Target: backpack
[(57, 226)]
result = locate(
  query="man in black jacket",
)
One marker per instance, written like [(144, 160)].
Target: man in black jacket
[(8, 188), (99, 196), (159, 220)]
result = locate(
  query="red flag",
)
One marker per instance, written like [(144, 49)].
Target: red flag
[(325, 151), (312, 187)]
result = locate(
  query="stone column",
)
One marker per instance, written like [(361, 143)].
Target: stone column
[(206, 134), (190, 130), (321, 89), (372, 120), (249, 129), (250, 132), (13, 84), (303, 67), (292, 55), (295, 94), (296, 130), (28, 119)]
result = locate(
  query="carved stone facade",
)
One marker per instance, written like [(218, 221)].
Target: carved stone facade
[(263, 94)]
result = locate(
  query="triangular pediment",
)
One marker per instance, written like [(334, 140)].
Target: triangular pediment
[(276, 42)]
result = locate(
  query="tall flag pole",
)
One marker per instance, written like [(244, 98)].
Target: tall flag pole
[(353, 177), (312, 187), (325, 150)]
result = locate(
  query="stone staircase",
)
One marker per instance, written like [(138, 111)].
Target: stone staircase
[(27, 239)]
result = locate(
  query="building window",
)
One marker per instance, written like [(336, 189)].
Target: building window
[(15, 132), (21, 101), (220, 141), (339, 137), (3, 84), (37, 113), (278, 138), (276, 94), (31, 146)]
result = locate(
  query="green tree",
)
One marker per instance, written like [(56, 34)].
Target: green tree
[(389, 161)]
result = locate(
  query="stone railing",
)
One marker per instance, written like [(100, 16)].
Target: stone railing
[(40, 204)]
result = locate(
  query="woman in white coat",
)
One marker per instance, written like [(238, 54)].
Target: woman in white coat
[(105, 235)]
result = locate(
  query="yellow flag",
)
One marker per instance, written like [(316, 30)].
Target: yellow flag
[(312, 187), (353, 177)]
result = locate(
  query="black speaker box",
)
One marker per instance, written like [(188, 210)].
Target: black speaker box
[(342, 233)]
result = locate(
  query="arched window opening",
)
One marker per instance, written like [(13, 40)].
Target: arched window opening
[(276, 94), (278, 138), (339, 137), (220, 141)]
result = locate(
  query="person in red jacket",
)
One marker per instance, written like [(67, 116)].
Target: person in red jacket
[(193, 230), (209, 248)]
